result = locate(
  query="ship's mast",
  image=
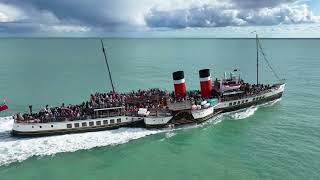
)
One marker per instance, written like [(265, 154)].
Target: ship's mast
[(257, 44), (105, 57)]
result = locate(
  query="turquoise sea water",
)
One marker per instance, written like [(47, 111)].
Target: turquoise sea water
[(279, 140)]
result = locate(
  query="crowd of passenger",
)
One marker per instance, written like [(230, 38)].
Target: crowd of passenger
[(132, 101), (247, 90), (193, 96), (58, 113), (251, 89)]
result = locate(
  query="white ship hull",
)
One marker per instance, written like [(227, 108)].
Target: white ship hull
[(152, 121), (233, 105), (66, 127), (202, 113)]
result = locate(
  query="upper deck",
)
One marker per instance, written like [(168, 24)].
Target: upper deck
[(96, 113)]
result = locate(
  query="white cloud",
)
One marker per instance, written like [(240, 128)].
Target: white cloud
[(64, 28), (10, 13), (220, 15)]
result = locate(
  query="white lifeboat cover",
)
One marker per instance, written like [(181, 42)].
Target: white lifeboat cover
[(143, 111), (206, 105), (203, 103)]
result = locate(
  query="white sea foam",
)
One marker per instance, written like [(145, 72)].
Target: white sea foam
[(271, 103), (245, 113), (6, 123), (242, 114), (19, 149), (170, 134)]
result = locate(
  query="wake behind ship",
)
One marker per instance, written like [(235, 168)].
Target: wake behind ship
[(151, 108)]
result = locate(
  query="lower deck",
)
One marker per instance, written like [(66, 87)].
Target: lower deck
[(67, 127)]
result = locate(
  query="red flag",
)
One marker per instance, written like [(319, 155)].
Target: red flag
[(3, 107)]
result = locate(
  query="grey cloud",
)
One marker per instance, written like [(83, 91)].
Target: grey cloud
[(95, 12), (100, 16)]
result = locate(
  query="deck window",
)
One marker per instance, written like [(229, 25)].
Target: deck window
[(111, 121), (234, 103), (91, 123), (230, 104), (242, 101), (105, 121), (98, 123), (246, 100), (238, 102), (52, 126), (84, 124), (76, 125), (253, 99), (69, 125), (119, 120)]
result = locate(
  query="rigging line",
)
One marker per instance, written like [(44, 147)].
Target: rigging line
[(268, 63)]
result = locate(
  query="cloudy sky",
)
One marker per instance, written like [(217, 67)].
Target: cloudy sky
[(159, 18)]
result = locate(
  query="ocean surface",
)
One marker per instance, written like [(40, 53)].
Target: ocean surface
[(277, 140)]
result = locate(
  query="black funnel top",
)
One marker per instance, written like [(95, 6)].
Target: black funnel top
[(204, 73), (178, 75)]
